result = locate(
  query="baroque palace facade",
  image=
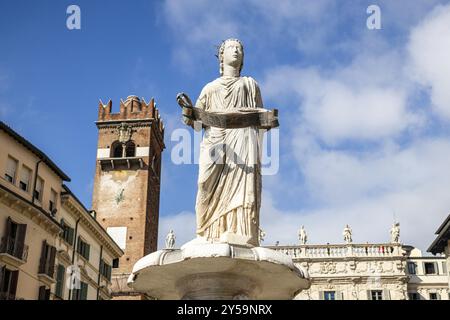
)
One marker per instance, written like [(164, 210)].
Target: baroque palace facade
[(53, 247), (389, 271)]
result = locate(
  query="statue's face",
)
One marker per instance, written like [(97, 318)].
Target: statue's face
[(233, 54)]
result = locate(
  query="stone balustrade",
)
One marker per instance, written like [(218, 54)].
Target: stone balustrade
[(342, 250)]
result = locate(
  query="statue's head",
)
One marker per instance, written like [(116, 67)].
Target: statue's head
[(231, 52)]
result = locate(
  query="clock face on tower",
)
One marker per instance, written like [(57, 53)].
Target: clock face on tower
[(119, 196)]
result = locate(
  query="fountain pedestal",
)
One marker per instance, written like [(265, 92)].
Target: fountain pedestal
[(218, 271)]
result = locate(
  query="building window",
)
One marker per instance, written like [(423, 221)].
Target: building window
[(11, 170), (38, 190), (25, 178), (80, 294), (8, 283), (60, 276), (130, 149), (83, 248), (376, 294), (115, 264), (434, 296), (329, 295), (13, 242), (412, 268), (67, 233), (105, 270), (117, 150), (52, 202), (413, 296), (44, 293), (47, 262), (430, 268)]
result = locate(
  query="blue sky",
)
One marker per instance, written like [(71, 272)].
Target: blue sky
[(364, 113)]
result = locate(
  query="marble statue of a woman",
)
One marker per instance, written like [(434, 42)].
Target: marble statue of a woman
[(229, 180)]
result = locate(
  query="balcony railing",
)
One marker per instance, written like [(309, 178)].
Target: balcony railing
[(14, 248), (341, 250)]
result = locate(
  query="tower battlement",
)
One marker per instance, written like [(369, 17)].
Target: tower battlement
[(133, 108)]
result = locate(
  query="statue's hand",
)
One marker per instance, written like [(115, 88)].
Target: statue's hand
[(184, 101), (186, 104)]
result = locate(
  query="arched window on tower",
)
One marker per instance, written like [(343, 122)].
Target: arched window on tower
[(116, 150), (130, 149)]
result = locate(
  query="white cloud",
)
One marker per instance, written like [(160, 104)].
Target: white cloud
[(429, 50), (363, 101)]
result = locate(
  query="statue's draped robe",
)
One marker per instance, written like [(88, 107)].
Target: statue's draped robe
[(229, 181)]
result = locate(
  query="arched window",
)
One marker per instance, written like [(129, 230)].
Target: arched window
[(130, 149), (116, 150)]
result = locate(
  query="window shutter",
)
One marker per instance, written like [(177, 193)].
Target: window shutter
[(52, 262), (63, 226), (59, 290), (11, 167), (444, 267), (338, 295), (75, 294), (25, 176), (8, 227), (84, 291), (71, 235), (88, 251), (78, 244), (14, 279), (109, 272), (43, 257), (369, 295), (39, 188), (2, 273), (4, 240), (21, 232), (321, 295), (436, 267), (386, 294), (42, 293)]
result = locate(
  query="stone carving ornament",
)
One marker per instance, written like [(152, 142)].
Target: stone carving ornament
[(124, 131), (328, 267)]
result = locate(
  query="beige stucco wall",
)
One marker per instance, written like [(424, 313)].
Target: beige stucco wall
[(28, 283), (26, 157), (91, 266)]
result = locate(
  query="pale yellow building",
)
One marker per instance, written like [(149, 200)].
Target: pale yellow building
[(33, 203), (441, 245), (427, 276)]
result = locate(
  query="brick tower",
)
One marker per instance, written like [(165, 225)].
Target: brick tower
[(127, 182)]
